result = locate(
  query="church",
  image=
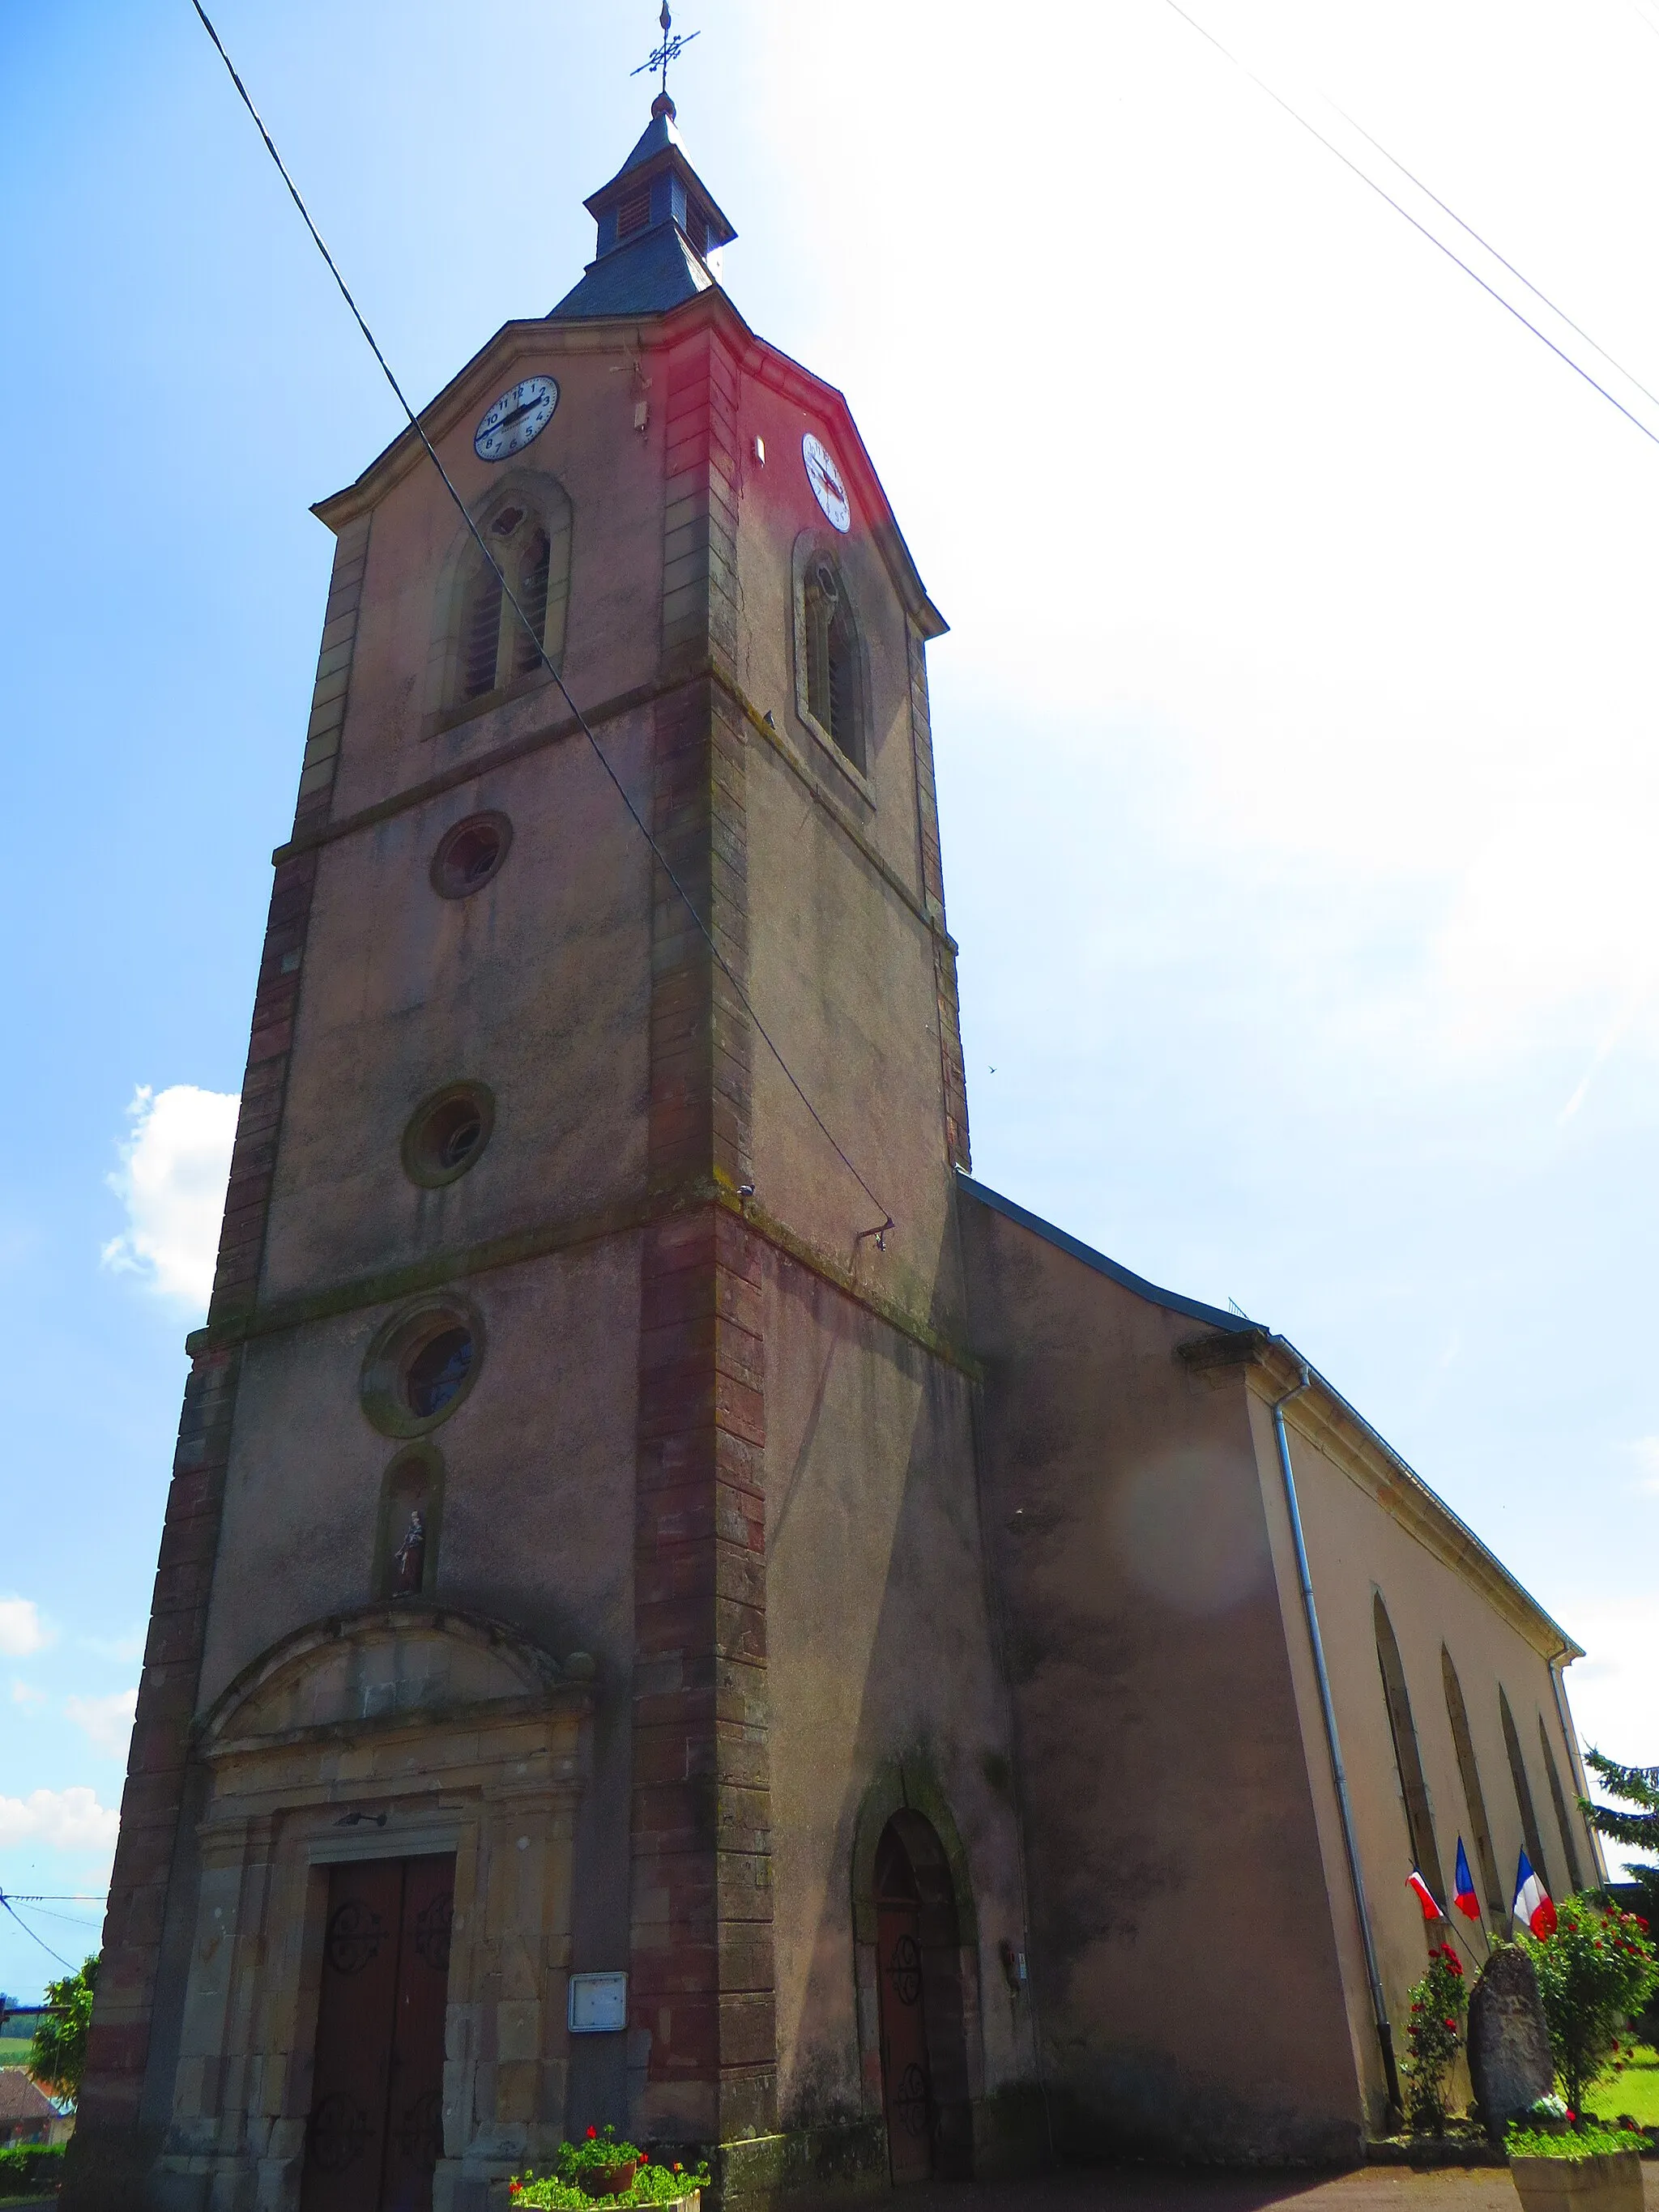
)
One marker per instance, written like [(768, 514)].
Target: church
[(678, 1606)]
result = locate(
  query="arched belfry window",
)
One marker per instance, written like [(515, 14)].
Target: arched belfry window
[(830, 686), (1408, 1761), (482, 650)]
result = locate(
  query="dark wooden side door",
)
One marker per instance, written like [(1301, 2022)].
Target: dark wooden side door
[(375, 2130), (907, 2089)]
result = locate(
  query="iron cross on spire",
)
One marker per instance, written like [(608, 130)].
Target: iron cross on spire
[(673, 45)]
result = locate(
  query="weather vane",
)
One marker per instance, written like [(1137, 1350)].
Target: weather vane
[(673, 45)]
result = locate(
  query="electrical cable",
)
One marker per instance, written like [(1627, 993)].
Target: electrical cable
[(45, 1912), (1331, 147), (1575, 327), (638, 819), (33, 1938)]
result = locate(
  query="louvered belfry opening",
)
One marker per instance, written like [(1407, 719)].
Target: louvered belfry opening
[(831, 650), (481, 634), (534, 567), (633, 213), (839, 662), (696, 230)]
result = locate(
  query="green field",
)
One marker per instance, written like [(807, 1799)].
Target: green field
[(14, 2050)]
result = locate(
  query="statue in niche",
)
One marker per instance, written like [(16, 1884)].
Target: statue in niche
[(409, 1560)]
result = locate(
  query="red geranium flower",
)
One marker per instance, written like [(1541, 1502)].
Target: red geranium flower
[(593, 2135)]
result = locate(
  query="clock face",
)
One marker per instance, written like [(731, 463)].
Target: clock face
[(518, 416), (825, 477)]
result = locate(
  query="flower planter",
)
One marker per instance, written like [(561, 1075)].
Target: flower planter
[(1609, 2182), (608, 2180)]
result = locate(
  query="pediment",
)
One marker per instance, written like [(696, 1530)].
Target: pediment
[(379, 1666)]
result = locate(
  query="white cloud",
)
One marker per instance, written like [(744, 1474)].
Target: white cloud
[(21, 1629), (174, 1167), (1611, 1688), (62, 1819), (106, 1721), (24, 1693)]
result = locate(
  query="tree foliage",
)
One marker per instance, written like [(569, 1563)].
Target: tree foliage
[(1595, 1970), (57, 2055), (1639, 1788)]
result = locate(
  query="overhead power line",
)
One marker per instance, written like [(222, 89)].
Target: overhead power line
[(33, 1938), (637, 819), (1486, 246), (1422, 228)]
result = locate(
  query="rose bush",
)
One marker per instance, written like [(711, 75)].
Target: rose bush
[(1595, 1972), (1433, 2038)]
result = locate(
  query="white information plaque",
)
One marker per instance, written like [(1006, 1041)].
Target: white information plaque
[(598, 2004)]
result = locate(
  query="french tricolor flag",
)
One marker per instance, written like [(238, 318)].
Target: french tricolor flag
[(1465, 1900), (1532, 1901), (1425, 1895)]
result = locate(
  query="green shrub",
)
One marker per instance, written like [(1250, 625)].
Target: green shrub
[(1595, 1970), (1433, 2033), (1588, 2142), (30, 2169)]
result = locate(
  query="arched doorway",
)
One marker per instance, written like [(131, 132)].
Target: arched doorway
[(924, 2066)]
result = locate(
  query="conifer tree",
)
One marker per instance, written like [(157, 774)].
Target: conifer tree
[(1636, 1786)]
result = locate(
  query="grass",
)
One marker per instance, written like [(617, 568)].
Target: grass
[(1635, 2090), (14, 2049)]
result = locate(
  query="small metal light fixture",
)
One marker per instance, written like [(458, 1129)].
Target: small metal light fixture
[(352, 1818), (880, 1234)]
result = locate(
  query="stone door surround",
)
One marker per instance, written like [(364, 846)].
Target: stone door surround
[(399, 1730)]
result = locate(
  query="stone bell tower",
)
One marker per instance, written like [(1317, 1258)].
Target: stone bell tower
[(568, 1532)]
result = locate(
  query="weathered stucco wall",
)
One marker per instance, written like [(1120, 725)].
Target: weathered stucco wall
[(1185, 1966), (881, 1653), (1365, 1540)]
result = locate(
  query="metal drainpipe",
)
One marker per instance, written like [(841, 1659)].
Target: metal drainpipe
[(1333, 1745)]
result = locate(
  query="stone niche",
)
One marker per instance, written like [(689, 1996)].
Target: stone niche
[(397, 1732)]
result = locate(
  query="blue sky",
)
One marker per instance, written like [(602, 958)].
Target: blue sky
[(1295, 730)]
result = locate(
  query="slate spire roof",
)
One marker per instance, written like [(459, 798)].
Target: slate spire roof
[(661, 231)]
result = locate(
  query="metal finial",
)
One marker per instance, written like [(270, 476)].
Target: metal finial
[(673, 45)]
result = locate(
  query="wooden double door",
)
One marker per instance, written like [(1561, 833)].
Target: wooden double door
[(375, 2131)]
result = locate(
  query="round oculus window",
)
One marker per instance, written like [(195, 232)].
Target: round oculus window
[(421, 1366), (447, 1133), (469, 854)]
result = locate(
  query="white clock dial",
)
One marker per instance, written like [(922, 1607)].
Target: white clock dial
[(518, 416), (825, 477)]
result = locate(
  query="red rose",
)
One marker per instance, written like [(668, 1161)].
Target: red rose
[(593, 2135), (1452, 2024)]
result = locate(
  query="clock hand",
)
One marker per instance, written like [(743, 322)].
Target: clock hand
[(518, 413)]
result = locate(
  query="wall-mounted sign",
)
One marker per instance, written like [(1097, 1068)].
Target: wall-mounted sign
[(597, 2005)]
